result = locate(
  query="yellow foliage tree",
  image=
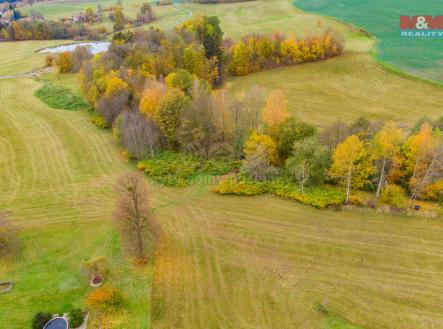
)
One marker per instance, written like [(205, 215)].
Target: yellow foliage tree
[(290, 51), (265, 142), (65, 62), (275, 111), (114, 85), (151, 97), (385, 146), (350, 164), (423, 156)]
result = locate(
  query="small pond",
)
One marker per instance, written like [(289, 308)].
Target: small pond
[(57, 323), (95, 47)]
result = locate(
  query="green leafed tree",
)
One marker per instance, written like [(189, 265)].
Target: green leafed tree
[(309, 162)]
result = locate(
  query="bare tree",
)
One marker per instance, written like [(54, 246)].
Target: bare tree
[(333, 135), (110, 107), (139, 134), (133, 215), (9, 241), (80, 55)]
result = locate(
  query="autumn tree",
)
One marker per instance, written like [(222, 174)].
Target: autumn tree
[(65, 62), (210, 34), (79, 56), (423, 159), (151, 97), (168, 115), (139, 134), (240, 63), (309, 162), (260, 156), (333, 135), (350, 164), (385, 147), (114, 100), (133, 216), (257, 165), (119, 20), (286, 133), (180, 79), (204, 128), (275, 111), (146, 14), (89, 13)]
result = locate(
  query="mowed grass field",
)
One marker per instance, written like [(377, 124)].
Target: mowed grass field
[(229, 262), (419, 56), (21, 57), (239, 19), (57, 173), (345, 88), (223, 262)]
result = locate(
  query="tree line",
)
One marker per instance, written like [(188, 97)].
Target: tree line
[(258, 52), (161, 90)]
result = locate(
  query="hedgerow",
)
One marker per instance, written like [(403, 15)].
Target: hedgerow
[(179, 169), (319, 197)]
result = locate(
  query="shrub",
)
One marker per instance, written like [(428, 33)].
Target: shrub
[(49, 60), (394, 195), (178, 169), (65, 62), (75, 318), (220, 166), (99, 121), (40, 320), (434, 192), (318, 197), (97, 266), (236, 186), (59, 97), (355, 200), (104, 298), (170, 169)]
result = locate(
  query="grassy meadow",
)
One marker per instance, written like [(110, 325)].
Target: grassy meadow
[(223, 262), (22, 57), (166, 16), (419, 56), (238, 19), (56, 183), (345, 88)]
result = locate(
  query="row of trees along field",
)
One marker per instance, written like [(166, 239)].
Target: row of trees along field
[(155, 89)]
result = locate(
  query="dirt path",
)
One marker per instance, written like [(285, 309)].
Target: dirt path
[(28, 74)]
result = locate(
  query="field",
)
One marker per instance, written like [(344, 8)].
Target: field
[(22, 56), (167, 16), (56, 181), (382, 18), (238, 19), (347, 87), (230, 262), (223, 262), (54, 10)]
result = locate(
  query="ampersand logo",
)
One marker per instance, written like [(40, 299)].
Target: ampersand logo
[(421, 23)]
